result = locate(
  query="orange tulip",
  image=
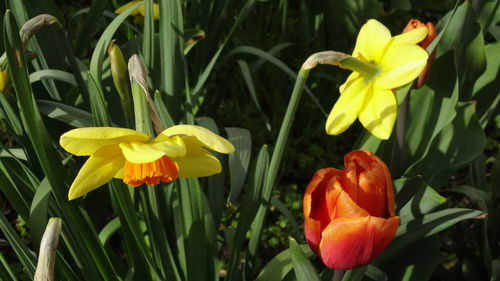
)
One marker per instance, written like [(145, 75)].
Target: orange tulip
[(349, 214), (413, 24)]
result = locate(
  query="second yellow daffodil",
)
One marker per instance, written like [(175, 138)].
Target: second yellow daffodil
[(130, 155), (393, 62)]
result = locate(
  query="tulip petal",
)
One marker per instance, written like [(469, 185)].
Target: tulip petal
[(401, 64), (411, 37), (86, 141), (372, 41), (346, 108), (378, 113), (315, 205), (350, 242), (205, 136), (100, 168), (197, 162), (149, 152)]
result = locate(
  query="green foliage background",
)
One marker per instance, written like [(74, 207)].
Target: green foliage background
[(230, 66)]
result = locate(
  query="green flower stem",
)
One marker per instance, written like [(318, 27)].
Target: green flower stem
[(338, 274), (328, 57)]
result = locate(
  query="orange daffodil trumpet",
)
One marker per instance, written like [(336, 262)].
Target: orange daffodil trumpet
[(413, 24), (178, 151), (140, 11), (349, 214), (387, 62)]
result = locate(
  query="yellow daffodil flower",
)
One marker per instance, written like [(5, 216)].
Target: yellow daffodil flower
[(389, 62), (131, 156), (140, 11), (4, 80)]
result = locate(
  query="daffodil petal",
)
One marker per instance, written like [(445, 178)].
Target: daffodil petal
[(126, 6), (401, 65), (86, 141), (156, 11), (205, 136), (346, 108), (378, 113), (352, 77), (149, 152), (372, 41), (100, 168), (198, 162), (414, 36)]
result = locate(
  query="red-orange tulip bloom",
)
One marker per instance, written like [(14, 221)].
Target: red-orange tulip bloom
[(414, 24), (349, 214)]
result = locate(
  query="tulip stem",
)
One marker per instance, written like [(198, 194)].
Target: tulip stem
[(338, 274)]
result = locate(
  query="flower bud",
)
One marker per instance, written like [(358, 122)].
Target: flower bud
[(120, 78), (4, 80), (349, 214), (414, 24)]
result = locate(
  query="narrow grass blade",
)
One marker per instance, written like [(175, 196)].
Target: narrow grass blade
[(53, 74), (26, 257)]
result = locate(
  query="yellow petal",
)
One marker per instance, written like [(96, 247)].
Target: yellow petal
[(100, 168), (401, 65), (411, 37), (198, 162), (85, 141), (148, 152), (372, 41), (346, 109), (353, 76), (205, 136), (378, 113), (156, 11), (126, 6)]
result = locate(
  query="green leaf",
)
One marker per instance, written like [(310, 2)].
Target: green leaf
[(449, 151), (428, 225), (53, 74), (278, 268), (39, 211), (70, 115), (481, 198), (239, 160), (6, 272), (102, 45), (250, 206), (416, 262), (304, 270), (375, 273), (25, 256), (109, 230), (415, 198), (100, 115), (432, 107), (486, 89), (283, 209)]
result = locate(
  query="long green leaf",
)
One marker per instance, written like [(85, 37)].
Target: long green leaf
[(304, 270)]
